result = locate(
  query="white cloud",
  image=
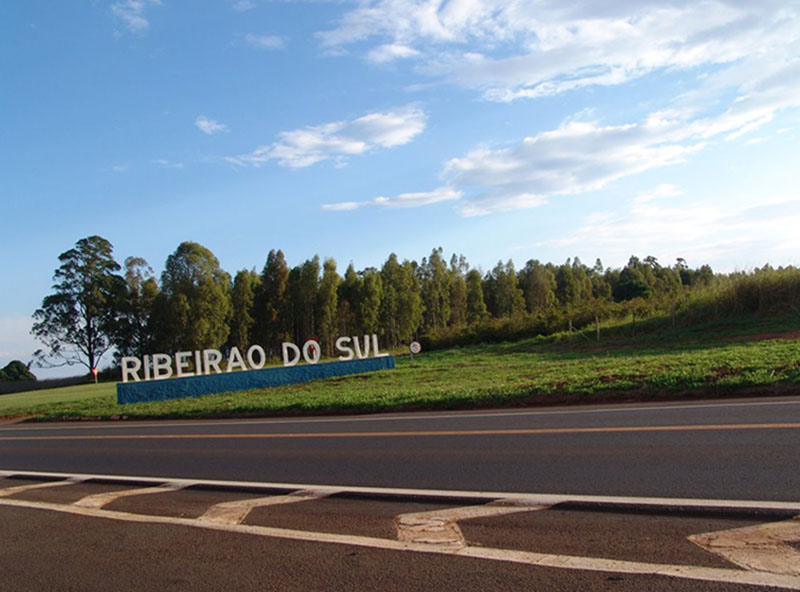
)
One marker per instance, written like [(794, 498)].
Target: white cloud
[(512, 49), (166, 164), (390, 52), (404, 200), (120, 168), (696, 232), (343, 206), (740, 60), (132, 13), (268, 42), (575, 158), (243, 5), (338, 140), (209, 126)]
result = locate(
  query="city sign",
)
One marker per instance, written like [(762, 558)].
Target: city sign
[(196, 373)]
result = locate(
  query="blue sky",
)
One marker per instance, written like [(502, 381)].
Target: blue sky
[(539, 129)]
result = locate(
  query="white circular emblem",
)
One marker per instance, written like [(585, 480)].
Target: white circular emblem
[(415, 347)]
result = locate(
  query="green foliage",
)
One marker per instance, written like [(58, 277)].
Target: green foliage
[(538, 285), (76, 323), (369, 301), (631, 285), (133, 334), (708, 360), (328, 302), (501, 289), (435, 283), (476, 304), (458, 291), (194, 306), (270, 309), (15, 371), (245, 284), (401, 306)]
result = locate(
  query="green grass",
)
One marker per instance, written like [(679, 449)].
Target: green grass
[(16, 403), (705, 360)]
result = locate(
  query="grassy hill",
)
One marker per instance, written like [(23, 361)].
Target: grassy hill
[(752, 355)]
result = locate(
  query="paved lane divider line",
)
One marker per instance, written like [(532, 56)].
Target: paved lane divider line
[(20, 488), (410, 434), (440, 527), (100, 500), (732, 576), (762, 547), (235, 512)]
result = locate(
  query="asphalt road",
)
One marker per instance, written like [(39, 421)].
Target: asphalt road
[(50, 551), (735, 449)]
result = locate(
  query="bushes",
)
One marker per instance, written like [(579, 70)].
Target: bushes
[(765, 291)]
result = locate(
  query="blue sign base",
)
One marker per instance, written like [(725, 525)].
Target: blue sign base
[(211, 384)]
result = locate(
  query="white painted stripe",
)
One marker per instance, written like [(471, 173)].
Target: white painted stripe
[(762, 547), (530, 498), (392, 417), (20, 488), (730, 576), (235, 512), (100, 500), (440, 527)]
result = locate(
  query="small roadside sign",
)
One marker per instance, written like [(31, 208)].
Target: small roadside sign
[(414, 347)]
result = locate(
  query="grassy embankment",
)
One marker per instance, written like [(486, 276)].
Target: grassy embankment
[(741, 356)]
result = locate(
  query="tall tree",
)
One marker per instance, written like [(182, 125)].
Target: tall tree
[(435, 287), (76, 322), (327, 305), (458, 291), (503, 296), (245, 284), (476, 305), (270, 310), (538, 286), (568, 286), (369, 305), (195, 308), (401, 306), (349, 302), (133, 334)]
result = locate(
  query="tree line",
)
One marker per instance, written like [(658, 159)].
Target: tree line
[(98, 305)]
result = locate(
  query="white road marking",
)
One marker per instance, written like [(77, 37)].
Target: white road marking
[(440, 494), (381, 417), (763, 547), (100, 500), (20, 488), (731, 576), (235, 512), (440, 527)]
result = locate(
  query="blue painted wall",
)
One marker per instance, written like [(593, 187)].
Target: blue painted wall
[(197, 386)]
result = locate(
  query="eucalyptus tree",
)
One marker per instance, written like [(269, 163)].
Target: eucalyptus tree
[(401, 305), (245, 284), (476, 305), (327, 305), (271, 309), (194, 307), (76, 322), (133, 335), (434, 280)]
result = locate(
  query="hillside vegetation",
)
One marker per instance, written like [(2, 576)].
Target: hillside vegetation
[(748, 355)]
